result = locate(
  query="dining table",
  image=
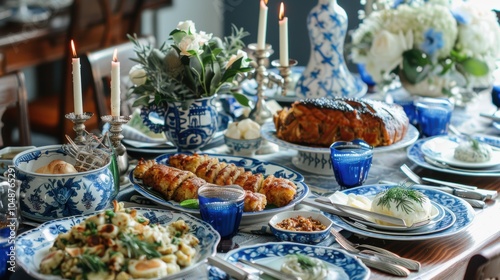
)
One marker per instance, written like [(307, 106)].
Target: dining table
[(441, 258)]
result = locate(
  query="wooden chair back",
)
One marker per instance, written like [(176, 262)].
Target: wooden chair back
[(100, 66), (13, 94), (484, 265)]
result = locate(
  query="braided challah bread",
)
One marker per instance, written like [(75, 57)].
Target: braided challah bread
[(320, 122)]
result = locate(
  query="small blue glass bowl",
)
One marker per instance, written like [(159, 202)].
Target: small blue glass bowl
[(306, 237), (351, 161), (242, 147)]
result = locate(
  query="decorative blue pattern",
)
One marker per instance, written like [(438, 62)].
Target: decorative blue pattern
[(44, 197), (254, 165), (33, 245), (415, 154), (261, 253), (462, 210), (326, 73), (190, 125)]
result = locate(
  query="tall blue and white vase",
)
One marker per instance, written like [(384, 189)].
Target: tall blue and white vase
[(326, 73)]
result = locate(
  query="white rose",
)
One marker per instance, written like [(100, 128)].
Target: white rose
[(187, 26), (388, 47), (203, 37), (137, 75), (189, 43), (238, 55)]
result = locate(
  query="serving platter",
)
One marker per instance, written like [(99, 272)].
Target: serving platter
[(256, 166), (272, 254), (442, 148), (317, 160), (415, 154), (33, 245), (461, 209)]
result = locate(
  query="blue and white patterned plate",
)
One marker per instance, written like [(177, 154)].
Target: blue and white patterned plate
[(272, 254), (33, 245), (446, 219), (256, 166), (415, 154), (462, 210)]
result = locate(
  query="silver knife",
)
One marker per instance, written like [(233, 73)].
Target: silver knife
[(404, 262), (269, 271), (231, 269), (390, 268)]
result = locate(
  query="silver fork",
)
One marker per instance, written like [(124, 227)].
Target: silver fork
[(382, 254)]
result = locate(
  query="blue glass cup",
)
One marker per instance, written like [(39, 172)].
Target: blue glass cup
[(434, 115), (222, 208), (351, 161)]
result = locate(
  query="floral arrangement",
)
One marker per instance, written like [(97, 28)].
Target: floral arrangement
[(192, 65), (421, 40)]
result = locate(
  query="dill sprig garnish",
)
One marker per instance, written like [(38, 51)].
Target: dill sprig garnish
[(136, 247), (475, 144), (402, 197)]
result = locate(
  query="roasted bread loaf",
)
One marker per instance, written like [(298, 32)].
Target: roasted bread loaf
[(320, 122), (277, 191)]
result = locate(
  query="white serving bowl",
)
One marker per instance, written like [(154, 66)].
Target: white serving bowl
[(307, 237), (242, 147), (45, 197)]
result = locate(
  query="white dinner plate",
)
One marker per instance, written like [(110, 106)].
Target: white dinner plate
[(437, 214), (33, 245), (272, 254), (256, 166), (415, 154), (463, 212), (442, 148), (446, 220)]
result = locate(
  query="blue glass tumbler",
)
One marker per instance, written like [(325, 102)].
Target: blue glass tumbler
[(351, 161), (222, 208), (434, 115)]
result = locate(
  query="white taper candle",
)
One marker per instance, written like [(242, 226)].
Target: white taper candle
[(77, 83), (115, 85), (261, 34), (283, 27)]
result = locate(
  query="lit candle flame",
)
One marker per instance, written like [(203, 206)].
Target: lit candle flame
[(115, 56), (282, 11), (265, 1), (73, 48)]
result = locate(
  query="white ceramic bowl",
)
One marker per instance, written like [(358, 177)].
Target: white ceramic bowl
[(45, 197), (307, 237), (242, 147)]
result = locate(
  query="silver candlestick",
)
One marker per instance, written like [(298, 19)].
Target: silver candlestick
[(79, 125), (284, 80), (260, 112), (115, 135)]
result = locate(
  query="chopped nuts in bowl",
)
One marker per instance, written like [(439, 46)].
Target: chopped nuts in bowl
[(300, 226)]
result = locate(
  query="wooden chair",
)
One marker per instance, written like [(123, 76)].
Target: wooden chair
[(102, 22), (100, 67), (485, 264), (13, 94)]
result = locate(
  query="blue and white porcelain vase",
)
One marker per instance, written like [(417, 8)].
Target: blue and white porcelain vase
[(189, 125), (326, 74)]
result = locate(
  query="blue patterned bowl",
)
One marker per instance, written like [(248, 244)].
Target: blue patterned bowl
[(242, 147), (45, 197), (307, 237)]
